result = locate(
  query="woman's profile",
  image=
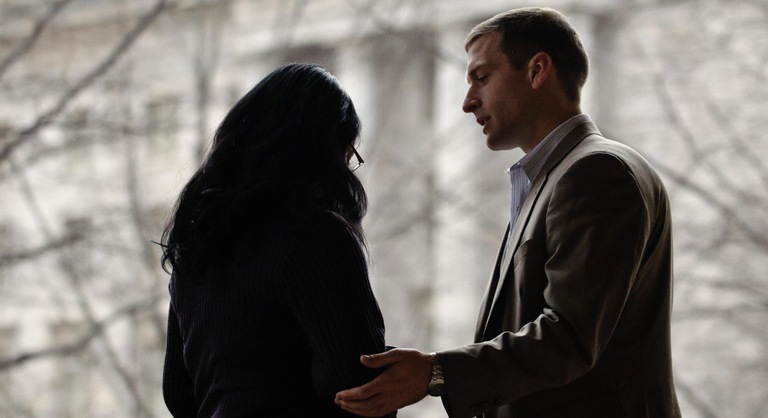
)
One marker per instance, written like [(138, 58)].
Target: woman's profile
[(271, 306)]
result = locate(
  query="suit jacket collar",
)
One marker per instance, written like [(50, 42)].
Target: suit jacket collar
[(568, 143)]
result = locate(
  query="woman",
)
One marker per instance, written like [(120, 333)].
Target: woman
[(271, 306)]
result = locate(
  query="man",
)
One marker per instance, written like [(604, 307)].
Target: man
[(576, 317)]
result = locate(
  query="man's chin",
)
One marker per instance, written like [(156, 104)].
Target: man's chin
[(496, 146)]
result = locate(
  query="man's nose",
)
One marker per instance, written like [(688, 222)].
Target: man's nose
[(470, 103)]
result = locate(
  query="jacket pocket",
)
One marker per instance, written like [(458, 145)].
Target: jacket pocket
[(522, 252)]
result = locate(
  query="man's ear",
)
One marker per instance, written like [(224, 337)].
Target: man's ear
[(540, 67)]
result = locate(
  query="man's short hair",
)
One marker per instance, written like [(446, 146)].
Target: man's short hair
[(530, 30)]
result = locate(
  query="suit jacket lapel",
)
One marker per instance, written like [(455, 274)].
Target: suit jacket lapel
[(485, 307), (501, 272)]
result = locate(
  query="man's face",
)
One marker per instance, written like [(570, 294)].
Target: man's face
[(498, 95)]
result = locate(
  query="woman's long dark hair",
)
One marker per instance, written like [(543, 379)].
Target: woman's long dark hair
[(280, 151)]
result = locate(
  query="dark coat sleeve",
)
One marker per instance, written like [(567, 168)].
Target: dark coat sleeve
[(178, 389), (327, 289)]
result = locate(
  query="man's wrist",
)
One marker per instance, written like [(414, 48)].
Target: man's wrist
[(436, 381)]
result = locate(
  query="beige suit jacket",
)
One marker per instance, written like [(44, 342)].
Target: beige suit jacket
[(578, 323)]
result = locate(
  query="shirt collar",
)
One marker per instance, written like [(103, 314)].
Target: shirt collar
[(533, 161)]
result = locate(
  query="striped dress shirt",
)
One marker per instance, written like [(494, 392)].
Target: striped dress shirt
[(523, 172)]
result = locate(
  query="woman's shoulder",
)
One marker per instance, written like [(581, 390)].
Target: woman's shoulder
[(319, 229), (326, 246)]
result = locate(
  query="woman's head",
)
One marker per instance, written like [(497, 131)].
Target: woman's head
[(282, 149), (298, 114)]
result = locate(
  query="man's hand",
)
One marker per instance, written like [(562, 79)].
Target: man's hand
[(403, 382)]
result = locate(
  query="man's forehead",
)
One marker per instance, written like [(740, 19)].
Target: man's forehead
[(481, 49), (482, 45)]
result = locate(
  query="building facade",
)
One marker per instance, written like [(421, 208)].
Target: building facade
[(107, 108)]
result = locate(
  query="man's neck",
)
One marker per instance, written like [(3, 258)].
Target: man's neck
[(549, 122)]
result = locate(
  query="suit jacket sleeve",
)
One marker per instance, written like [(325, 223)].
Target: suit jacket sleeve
[(589, 249)]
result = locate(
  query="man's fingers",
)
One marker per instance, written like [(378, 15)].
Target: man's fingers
[(359, 393), (349, 395), (377, 361), (354, 401), (371, 407)]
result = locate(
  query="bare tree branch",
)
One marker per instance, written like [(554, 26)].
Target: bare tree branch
[(45, 151), (83, 301), (743, 225), (102, 68), (57, 244), (207, 54), (140, 227), (367, 11), (285, 28), (96, 329), (700, 157), (67, 266), (746, 152), (29, 42)]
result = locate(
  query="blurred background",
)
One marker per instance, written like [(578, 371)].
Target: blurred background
[(107, 106)]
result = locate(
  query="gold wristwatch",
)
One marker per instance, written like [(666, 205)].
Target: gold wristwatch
[(436, 382)]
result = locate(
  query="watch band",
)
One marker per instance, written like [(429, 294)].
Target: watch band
[(436, 382)]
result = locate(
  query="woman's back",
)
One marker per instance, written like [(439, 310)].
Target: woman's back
[(279, 330)]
